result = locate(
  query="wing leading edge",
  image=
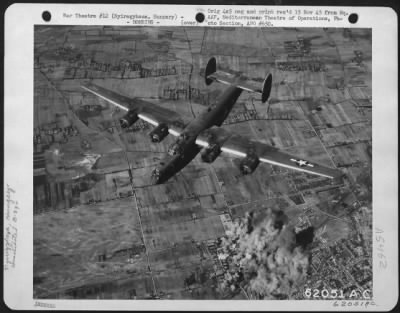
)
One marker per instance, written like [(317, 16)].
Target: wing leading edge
[(230, 143), (146, 111), (240, 146)]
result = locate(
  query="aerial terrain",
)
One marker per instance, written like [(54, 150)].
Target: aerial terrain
[(102, 230)]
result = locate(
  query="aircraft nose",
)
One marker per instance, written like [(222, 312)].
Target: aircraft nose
[(171, 151), (154, 180), (155, 177), (123, 123)]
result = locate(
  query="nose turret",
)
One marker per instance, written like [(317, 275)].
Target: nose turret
[(156, 176), (178, 147), (174, 149)]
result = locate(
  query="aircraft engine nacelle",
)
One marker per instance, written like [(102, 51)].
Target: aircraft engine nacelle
[(210, 153), (249, 164), (159, 133), (128, 119)]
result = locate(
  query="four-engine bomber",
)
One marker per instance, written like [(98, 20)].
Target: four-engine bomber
[(205, 132)]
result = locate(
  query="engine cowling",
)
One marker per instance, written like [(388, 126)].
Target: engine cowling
[(159, 133), (128, 119), (249, 164), (210, 153)]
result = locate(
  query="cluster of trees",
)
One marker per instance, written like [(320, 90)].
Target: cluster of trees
[(265, 260)]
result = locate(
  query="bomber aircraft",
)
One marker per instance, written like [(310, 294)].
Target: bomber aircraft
[(204, 133)]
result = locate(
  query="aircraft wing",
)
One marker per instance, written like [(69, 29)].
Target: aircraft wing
[(147, 111), (240, 146)]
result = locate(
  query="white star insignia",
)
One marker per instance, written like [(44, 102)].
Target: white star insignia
[(302, 163)]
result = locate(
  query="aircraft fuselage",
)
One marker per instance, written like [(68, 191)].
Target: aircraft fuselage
[(215, 115), (185, 149)]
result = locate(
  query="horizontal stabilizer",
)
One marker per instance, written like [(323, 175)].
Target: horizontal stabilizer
[(212, 74), (223, 77)]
